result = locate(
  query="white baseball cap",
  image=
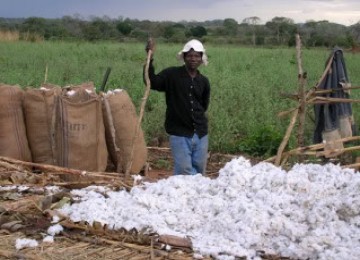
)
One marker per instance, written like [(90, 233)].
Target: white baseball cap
[(196, 46)]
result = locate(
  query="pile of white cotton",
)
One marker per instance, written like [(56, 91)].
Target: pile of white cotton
[(310, 212)]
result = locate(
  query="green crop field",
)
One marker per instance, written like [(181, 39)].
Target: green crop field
[(246, 84)]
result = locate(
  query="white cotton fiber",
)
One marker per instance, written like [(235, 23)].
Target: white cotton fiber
[(48, 239), (25, 242), (309, 212), (55, 229)]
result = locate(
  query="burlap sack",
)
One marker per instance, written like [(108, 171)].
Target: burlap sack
[(121, 122), (40, 122), (80, 132), (77, 93), (13, 140), (332, 146), (345, 123)]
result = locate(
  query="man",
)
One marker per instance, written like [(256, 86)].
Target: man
[(187, 94)]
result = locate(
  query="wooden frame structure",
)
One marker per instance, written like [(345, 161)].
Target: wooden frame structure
[(299, 115)]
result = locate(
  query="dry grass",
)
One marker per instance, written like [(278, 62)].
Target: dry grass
[(14, 36), (9, 36), (32, 37), (65, 247)]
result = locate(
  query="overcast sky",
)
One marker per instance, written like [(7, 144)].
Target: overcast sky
[(345, 12)]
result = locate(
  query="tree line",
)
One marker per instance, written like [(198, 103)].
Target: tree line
[(279, 31)]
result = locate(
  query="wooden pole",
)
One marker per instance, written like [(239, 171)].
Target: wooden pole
[(46, 73), (301, 93), (142, 109)]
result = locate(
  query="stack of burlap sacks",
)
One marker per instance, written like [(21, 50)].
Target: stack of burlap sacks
[(71, 127)]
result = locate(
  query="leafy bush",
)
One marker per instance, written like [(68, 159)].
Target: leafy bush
[(264, 142)]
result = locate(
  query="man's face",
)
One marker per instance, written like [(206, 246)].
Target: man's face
[(192, 59)]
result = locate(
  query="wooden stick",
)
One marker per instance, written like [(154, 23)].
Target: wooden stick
[(115, 178), (312, 148), (328, 66), (321, 100), (286, 137), (285, 157), (301, 91), (44, 167), (326, 91), (317, 92), (347, 149), (142, 109), (46, 73), (290, 96), (285, 113), (52, 168), (324, 100), (158, 148), (175, 241)]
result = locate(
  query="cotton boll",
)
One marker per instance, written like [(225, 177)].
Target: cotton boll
[(355, 221), (349, 208), (262, 195), (235, 165), (50, 190), (8, 188), (22, 188), (71, 93), (171, 219), (294, 251), (231, 192), (48, 239), (55, 219), (275, 225), (145, 200), (137, 179), (294, 232), (25, 242), (268, 176), (88, 193), (55, 229), (298, 181), (198, 256)]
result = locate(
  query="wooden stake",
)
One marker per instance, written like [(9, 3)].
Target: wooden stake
[(286, 137), (301, 94), (142, 109), (46, 73)]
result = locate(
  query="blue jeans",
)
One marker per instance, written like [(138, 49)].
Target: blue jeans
[(189, 153)]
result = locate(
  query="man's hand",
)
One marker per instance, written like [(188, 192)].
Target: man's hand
[(150, 46)]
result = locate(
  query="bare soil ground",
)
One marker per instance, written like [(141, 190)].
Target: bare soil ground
[(161, 163)]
